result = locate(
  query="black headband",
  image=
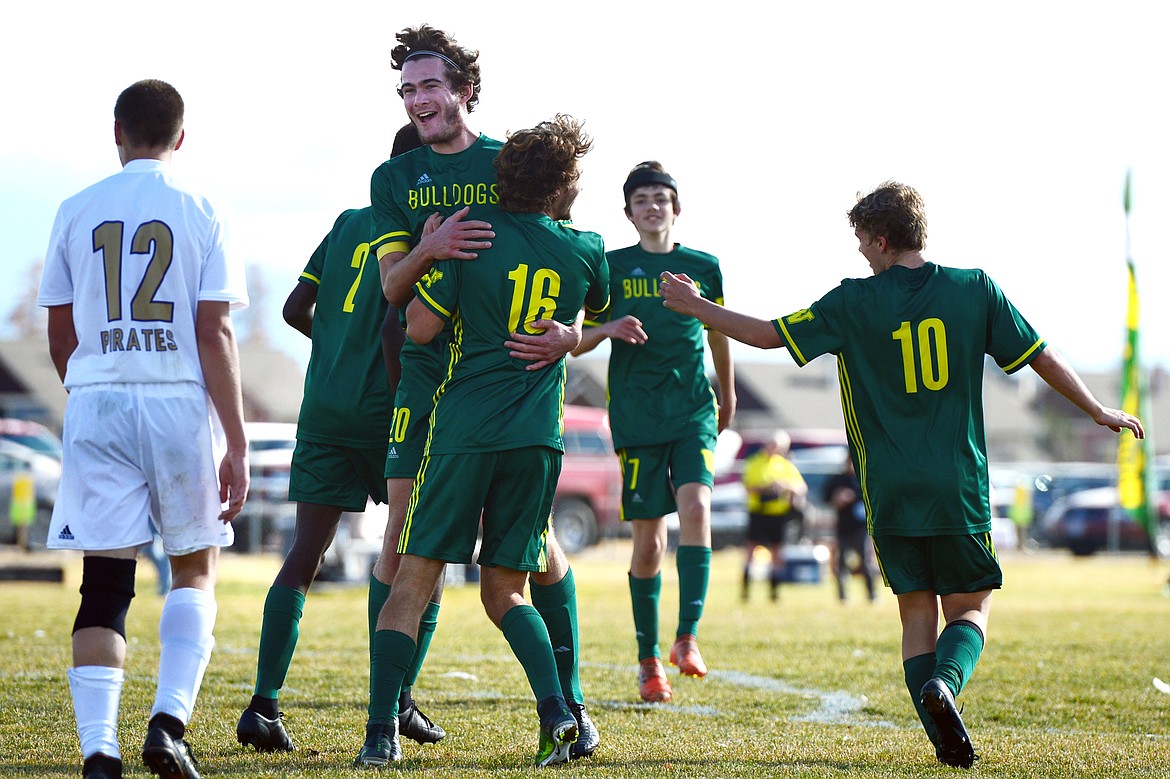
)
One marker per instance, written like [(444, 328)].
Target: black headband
[(429, 53), (641, 178)]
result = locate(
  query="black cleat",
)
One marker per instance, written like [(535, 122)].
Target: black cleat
[(100, 766), (266, 735), (415, 725), (954, 744), (381, 746), (587, 736), (558, 731), (167, 756)]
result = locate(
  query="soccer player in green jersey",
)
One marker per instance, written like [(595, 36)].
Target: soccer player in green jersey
[(338, 462), (664, 418), (495, 430), (452, 175), (910, 344)]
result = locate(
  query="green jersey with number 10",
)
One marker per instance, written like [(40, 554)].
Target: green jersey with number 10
[(910, 346)]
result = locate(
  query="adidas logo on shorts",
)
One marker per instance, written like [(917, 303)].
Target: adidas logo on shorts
[(636, 498), (65, 534), (392, 454)]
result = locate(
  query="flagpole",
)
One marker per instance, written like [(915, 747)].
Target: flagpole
[(1134, 476)]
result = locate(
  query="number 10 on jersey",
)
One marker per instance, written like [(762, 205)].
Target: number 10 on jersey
[(930, 363)]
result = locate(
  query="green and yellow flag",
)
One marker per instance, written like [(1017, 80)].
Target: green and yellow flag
[(1135, 479)]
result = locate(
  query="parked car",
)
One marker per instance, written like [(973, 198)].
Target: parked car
[(817, 454), (808, 446), (267, 515), (33, 435), (1091, 520), (18, 462), (588, 500)]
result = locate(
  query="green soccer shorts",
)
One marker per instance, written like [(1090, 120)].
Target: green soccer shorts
[(338, 476), (944, 564), (652, 474), (511, 490)]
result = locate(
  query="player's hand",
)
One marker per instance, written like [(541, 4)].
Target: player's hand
[(555, 341), (1117, 421), (628, 329), (455, 239), (679, 293), (233, 484), (432, 224)]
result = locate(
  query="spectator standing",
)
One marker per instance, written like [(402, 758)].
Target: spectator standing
[(854, 551), (776, 496)]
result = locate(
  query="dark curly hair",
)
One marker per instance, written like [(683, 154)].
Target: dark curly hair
[(427, 38), (535, 166), (895, 211), (150, 113)]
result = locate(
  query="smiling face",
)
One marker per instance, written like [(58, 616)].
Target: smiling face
[(437, 110), (651, 209)]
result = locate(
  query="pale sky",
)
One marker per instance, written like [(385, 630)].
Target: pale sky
[(1017, 121)]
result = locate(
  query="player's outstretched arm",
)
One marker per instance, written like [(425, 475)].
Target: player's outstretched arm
[(680, 294), (443, 239), (220, 359), (627, 328), (1051, 366)]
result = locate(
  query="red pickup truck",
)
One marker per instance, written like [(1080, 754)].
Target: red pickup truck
[(589, 493)]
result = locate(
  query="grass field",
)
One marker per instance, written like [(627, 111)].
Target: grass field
[(806, 687)]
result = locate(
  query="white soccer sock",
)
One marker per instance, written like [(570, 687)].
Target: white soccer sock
[(184, 631), (96, 691)]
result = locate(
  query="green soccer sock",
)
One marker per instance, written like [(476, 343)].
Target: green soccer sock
[(557, 605), (390, 657), (375, 599), (918, 671), (694, 574), (644, 595), (279, 632), (958, 650), (526, 634), (426, 631)]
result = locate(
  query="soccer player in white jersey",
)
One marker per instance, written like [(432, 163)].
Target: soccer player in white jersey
[(139, 284)]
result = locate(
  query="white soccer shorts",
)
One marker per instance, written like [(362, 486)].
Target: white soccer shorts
[(136, 452)]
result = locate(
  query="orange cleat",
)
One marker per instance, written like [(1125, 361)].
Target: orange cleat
[(685, 655), (652, 683)]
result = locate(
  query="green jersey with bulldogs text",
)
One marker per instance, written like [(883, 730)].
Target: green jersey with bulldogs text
[(910, 346), (405, 190), (659, 391), (537, 268), (347, 399)]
